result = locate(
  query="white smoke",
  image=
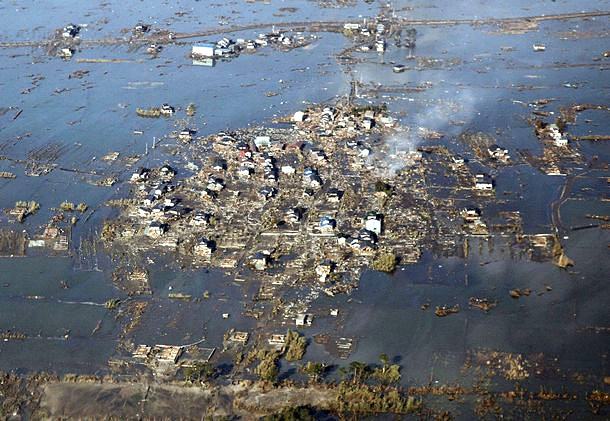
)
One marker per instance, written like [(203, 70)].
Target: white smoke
[(439, 117)]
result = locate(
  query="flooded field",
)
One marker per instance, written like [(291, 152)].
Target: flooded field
[(413, 180)]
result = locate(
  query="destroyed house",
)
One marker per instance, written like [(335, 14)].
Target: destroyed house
[(244, 171), (71, 31), (318, 154), (260, 261), (204, 247), (167, 171), (368, 236), (176, 212), (380, 45), (294, 215), (471, 214), (141, 28), (155, 229), (304, 319), (224, 43), (361, 245), (187, 135), (288, 169), (66, 53), (142, 352), (328, 116), (458, 159), (483, 182), (334, 195), (159, 210), (270, 174), (324, 269), (239, 337), (201, 218), (242, 146), (351, 26), (167, 353), (327, 224), (144, 212), (311, 178), (167, 109), (277, 340), (209, 194), (498, 152), (215, 184), (141, 174), (219, 164), (267, 192), (150, 199), (154, 48)]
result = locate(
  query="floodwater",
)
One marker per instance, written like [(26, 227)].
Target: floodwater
[(489, 78)]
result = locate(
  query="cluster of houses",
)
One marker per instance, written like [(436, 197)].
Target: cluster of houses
[(365, 31), (267, 155), (159, 208), (227, 47), (69, 37), (261, 151), (156, 204)]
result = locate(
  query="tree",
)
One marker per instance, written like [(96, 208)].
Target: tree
[(387, 373), (313, 370), (267, 369), (198, 372), (381, 187), (358, 370), (383, 358), (295, 346), (385, 262), (299, 413)]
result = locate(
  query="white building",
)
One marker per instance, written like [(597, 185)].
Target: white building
[(483, 182), (299, 116), (204, 50), (262, 141), (304, 319), (373, 223), (558, 138)]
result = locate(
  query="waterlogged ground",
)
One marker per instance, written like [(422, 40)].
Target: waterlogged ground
[(484, 82)]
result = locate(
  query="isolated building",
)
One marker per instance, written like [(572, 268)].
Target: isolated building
[(203, 50), (483, 182), (373, 222)]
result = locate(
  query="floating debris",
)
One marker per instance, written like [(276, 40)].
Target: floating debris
[(482, 303), (444, 311)]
